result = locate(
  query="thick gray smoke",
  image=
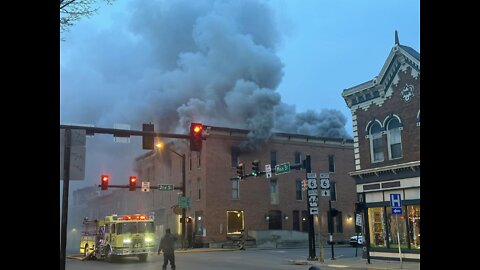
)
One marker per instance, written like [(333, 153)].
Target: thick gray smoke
[(176, 62)]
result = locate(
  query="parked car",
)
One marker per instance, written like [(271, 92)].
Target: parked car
[(354, 241)]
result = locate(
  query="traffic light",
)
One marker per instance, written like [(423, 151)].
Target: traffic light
[(104, 181), (304, 184), (358, 207), (256, 168), (240, 170), (148, 142), (133, 183), (196, 136)]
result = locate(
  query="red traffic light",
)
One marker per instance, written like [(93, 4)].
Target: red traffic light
[(133, 183), (104, 181), (196, 136)]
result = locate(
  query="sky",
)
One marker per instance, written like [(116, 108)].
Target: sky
[(265, 66)]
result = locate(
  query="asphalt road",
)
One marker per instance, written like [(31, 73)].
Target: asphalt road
[(235, 260)]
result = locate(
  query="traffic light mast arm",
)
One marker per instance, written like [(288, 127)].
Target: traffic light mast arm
[(126, 132)]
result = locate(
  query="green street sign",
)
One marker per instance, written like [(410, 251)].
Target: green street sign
[(166, 187), (183, 202), (282, 168)]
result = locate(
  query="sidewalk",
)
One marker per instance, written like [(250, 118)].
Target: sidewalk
[(359, 263)]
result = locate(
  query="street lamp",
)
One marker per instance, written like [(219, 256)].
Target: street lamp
[(160, 146)]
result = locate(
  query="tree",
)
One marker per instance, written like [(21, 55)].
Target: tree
[(73, 10)]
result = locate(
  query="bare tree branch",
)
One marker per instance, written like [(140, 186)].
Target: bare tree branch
[(73, 10)]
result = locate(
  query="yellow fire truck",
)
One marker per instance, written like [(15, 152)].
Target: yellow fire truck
[(118, 236)]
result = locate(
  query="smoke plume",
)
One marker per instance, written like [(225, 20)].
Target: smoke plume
[(176, 62)]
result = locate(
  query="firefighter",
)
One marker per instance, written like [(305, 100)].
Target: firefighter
[(167, 245)]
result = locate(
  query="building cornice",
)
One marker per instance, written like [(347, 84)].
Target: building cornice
[(414, 165)]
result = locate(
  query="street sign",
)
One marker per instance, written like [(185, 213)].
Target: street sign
[(282, 168), (358, 220), (121, 139), (396, 204), (312, 175), (324, 183), (312, 192), (312, 183), (77, 153), (313, 210), (268, 171), (183, 202), (145, 186), (325, 192), (313, 201), (324, 175), (165, 187)]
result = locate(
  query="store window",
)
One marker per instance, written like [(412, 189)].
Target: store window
[(377, 229), (396, 229), (235, 222), (414, 225)]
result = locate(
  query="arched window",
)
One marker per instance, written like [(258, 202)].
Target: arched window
[(376, 142), (394, 138)]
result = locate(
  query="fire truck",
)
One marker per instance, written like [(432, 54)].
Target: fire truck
[(118, 236)]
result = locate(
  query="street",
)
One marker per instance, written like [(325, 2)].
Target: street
[(235, 260)]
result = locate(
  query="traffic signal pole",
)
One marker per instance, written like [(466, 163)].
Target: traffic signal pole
[(66, 180), (311, 230)]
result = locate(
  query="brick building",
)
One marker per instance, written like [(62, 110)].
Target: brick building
[(386, 128), (220, 207)]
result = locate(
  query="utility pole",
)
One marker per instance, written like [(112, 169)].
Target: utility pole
[(311, 229), (185, 195), (330, 221)]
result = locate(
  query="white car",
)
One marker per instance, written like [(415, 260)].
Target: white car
[(354, 241)]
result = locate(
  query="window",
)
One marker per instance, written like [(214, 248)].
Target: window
[(333, 191), (235, 190), (339, 222), (304, 221), (376, 142), (331, 163), (273, 191), (235, 222), (394, 139), (414, 225), (190, 160), (296, 220), (275, 220), (199, 187), (297, 157), (273, 158), (199, 164), (234, 154), (298, 190), (376, 222), (395, 230)]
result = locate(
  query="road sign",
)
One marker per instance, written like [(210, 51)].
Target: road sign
[(324, 183), (282, 168), (145, 186), (77, 153), (358, 220), (313, 200), (165, 187), (395, 200), (183, 202), (312, 183), (396, 204), (396, 210), (313, 210), (312, 175), (324, 175), (325, 192), (268, 171), (312, 192), (121, 139)]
